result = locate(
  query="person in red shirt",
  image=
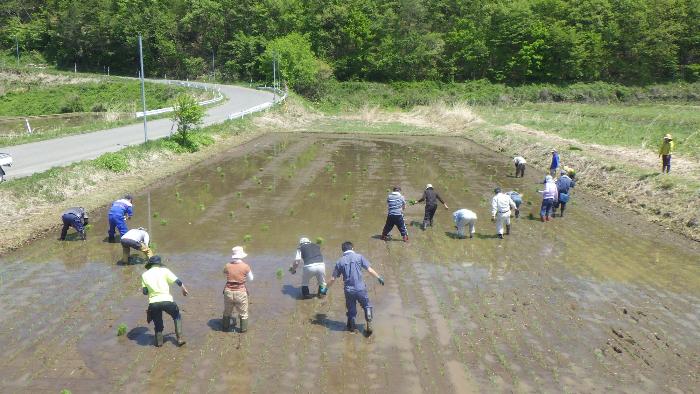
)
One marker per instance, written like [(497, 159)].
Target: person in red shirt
[(235, 293)]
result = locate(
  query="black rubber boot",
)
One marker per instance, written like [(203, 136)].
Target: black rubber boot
[(500, 236), (178, 332), (351, 325), (112, 240), (244, 325), (159, 339), (305, 294), (507, 229), (64, 231), (368, 319), (226, 323)]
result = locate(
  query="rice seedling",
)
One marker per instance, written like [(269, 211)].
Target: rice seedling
[(269, 188), (121, 329), (219, 169), (354, 215), (177, 195), (320, 240), (345, 197), (259, 181), (264, 228), (312, 194), (247, 205), (66, 391), (412, 202), (231, 214), (155, 214), (349, 173), (163, 222), (328, 167), (279, 273), (291, 212), (201, 207), (239, 194), (247, 238)]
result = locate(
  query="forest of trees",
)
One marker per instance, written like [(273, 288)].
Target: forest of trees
[(508, 41)]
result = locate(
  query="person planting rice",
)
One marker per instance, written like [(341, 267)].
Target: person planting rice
[(549, 197), (395, 206), (155, 283), (77, 218), (564, 184), (501, 206), (120, 210), (136, 238), (517, 199), (519, 162), (462, 218), (350, 266), (431, 197), (310, 255)]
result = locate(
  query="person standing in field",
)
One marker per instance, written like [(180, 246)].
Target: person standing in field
[(462, 218), (77, 218), (310, 255), (564, 185), (121, 210), (235, 293), (350, 266), (136, 238), (665, 152), (395, 206), (431, 197), (555, 163), (519, 162), (549, 197), (501, 206), (155, 283)]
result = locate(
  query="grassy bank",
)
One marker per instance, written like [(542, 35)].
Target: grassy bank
[(337, 97)]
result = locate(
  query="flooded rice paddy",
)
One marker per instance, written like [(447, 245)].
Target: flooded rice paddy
[(597, 301)]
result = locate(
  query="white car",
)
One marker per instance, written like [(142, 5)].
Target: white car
[(5, 160)]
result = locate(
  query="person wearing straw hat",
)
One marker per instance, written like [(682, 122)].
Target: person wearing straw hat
[(665, 152), (431, 197), (155, 283), (555, 163), (310, 255), (235, 293)]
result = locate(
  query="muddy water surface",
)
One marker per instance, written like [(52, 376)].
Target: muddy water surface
[(596, 301)]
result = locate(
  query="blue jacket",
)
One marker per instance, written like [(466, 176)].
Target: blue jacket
[(555, 160), (121, 208), (564, 183)]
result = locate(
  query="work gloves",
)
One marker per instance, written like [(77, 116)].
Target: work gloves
[(381, 280)]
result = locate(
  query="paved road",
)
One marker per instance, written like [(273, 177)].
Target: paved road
[(41, 156)]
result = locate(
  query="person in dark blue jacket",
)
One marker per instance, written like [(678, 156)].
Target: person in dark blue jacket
[(564, 185), (555, 163), (77, 218), (118, 213)]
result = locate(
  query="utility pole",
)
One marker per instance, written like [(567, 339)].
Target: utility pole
[(143, 93)]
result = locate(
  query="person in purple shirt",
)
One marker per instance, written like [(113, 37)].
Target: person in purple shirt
[(350, 268), (550, 195)]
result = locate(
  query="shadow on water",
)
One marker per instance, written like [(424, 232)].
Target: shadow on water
[(415, 223), (133, 260), (141, 336), (453, 235), (486, 236), (321, 319), (215, 325), (291, 291)]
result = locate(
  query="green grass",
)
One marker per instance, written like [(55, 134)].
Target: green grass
[(118, 95), (635, 126)]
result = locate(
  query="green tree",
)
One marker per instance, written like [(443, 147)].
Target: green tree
[(188, 116)]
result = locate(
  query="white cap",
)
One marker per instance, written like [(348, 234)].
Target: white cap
[(304, 240), (428, 186)]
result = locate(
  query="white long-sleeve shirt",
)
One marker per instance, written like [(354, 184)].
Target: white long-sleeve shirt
[(137, 235), (501, 203), (463, 214), (519, 160)]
